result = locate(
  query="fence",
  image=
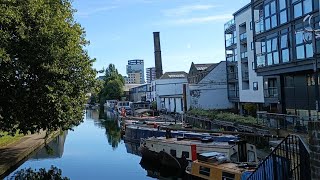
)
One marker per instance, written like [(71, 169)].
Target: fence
[(283, 121), (209, 124), (289, 160)]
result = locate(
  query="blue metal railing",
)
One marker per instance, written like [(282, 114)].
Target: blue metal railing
[(289, 160)]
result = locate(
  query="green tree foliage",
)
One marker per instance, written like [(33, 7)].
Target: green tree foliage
[(52, 174), (113, 84), (44, 70)]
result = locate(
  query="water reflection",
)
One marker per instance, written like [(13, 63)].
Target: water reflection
[(52, 150), (94, 150)]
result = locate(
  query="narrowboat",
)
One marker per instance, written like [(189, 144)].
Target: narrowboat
[(136, 132), (177, 152), (215, 166)]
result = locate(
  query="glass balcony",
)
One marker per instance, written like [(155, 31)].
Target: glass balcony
[(271, 92), (233, 76), (233, 93), (245, 75), (244, 55), (229, 24), (243, 37)]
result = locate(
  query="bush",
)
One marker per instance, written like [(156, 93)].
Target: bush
[(223, 116)]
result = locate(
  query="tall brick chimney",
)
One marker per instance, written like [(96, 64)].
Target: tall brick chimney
[(157, 54)]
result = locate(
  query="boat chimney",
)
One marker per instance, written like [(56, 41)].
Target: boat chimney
[(157, 54)]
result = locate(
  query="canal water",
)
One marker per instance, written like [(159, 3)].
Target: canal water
[(94, 150)]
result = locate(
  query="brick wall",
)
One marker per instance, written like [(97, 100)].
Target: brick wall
[(314, 140)]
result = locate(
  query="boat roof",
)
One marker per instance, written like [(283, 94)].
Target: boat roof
[(228, 167), (224, 145), (139, 111)]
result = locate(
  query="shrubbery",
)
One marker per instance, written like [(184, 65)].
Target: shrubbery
[(223, 116)]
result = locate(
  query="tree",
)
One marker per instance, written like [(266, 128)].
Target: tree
[(52, 174), (44, 70), (113, 84)]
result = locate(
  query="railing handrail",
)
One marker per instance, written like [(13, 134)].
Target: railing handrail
[(286, 142)]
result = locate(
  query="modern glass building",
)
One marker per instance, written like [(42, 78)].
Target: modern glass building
[(286, 56)]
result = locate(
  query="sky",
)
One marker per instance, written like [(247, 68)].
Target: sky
[(190, 30)]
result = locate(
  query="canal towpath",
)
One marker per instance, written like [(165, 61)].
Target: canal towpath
[(14, 153)]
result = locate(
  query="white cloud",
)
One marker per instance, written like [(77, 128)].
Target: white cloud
[(95, 10), (197, 20), (184, 10)]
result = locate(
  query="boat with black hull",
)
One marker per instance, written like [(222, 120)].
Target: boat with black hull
[(177, 152)]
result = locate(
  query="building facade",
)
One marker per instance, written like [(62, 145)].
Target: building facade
[(244, 85), (135, 67), (133, 78), (150, 74), (208, 86), (168, 91), (287, 57), (140, 93)]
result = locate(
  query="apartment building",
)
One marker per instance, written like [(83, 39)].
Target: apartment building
[(285, 56), (244, 85)]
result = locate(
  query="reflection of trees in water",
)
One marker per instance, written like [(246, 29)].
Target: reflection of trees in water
[(113, 132)]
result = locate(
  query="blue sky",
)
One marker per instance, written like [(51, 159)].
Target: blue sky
[(190, 30)]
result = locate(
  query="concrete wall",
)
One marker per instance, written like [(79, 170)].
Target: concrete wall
[(211, 92), (248, 95)]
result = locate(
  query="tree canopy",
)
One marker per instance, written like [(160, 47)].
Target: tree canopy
[(113, 84), (44, 70)]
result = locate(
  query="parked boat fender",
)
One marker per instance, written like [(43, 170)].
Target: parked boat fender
[(193, 152)]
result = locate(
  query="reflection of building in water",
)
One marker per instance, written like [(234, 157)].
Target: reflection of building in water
[(133, 148), (92, 114), (53, 150)]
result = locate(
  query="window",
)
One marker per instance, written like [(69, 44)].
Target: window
[(272, 51), (300, 52), (185, 154), (173, 152), (255, 86), (228, 176), (301, 7), (304, 48), (204, 171), (307, 6), (284, 46), (297, 10), (252, 46), (270, 15), (283, 17)]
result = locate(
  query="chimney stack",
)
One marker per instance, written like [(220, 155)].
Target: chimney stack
[(157, 54)]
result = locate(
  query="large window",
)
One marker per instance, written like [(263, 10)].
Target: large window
[(270, 16), (283, 11), (304, 47), (272, 51), (301, 7), (284, 47)]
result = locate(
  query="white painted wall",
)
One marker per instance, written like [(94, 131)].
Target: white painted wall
[(248, 95), (169, 92), (211, 92)]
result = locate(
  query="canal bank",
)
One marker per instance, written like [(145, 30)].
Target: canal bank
[(13, 154)]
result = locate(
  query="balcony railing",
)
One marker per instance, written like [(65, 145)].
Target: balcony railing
[(243, 37), (233, 93), (232, 75), (245, 75), (244, 55), (230, 42), (229, 24), (271, 92)]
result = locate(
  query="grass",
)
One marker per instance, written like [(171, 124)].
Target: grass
[(223, 116), (6, 139)]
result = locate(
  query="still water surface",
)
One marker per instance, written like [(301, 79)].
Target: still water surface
[(94, 150)]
